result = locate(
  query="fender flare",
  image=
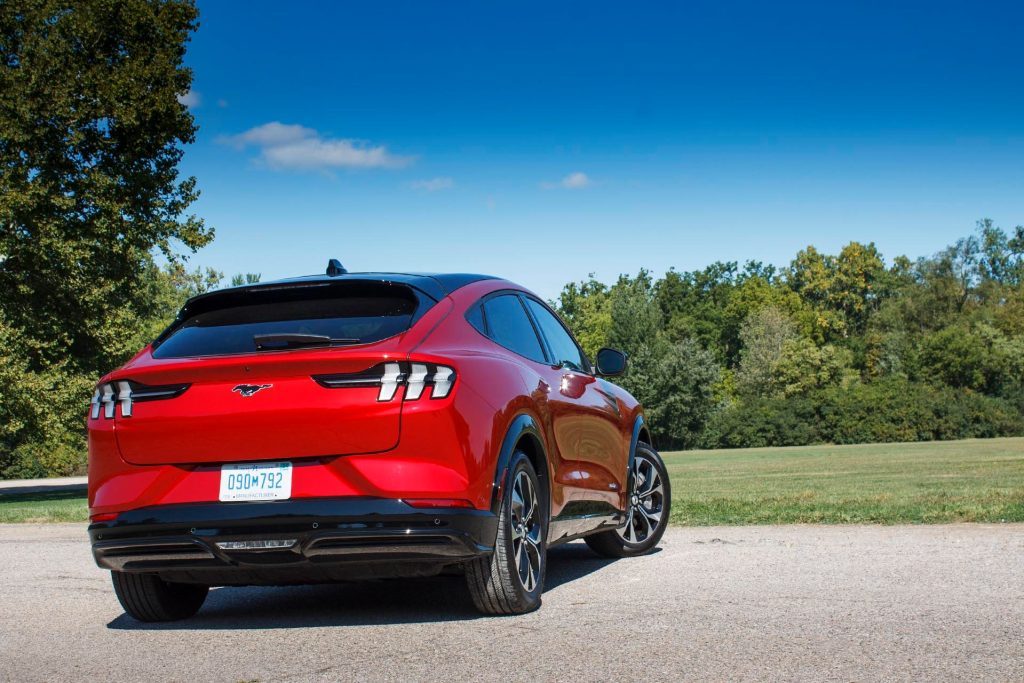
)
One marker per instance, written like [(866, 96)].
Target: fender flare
[(521, 425), (639, 427)]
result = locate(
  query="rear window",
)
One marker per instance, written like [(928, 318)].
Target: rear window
[(228, 323)]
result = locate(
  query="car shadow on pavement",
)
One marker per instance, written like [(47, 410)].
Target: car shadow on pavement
[(397, 601)]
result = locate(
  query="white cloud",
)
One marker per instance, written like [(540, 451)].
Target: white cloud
[(433, 185), (292, 146), (573, 181), (270, 135), (191, 99)]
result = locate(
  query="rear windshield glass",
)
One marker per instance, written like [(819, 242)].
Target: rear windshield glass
[(348, 313)]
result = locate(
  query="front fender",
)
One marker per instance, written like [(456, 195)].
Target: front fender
[(639, 429)]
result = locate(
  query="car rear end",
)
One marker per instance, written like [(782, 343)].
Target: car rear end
[(291, 432)]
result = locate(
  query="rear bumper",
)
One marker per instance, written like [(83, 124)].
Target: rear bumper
[(334, 539)]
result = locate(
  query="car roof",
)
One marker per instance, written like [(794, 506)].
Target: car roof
[(435, 285)]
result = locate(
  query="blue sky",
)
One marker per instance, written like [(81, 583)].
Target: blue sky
[(545, 141)]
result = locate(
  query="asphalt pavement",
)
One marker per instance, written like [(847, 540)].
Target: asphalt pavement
[(52, 485), (843, 603)]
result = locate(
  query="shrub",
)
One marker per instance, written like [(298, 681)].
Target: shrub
[(760, 422), (885, 411)]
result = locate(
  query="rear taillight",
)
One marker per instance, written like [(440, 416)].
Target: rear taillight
[(415, 377), (126, 393)]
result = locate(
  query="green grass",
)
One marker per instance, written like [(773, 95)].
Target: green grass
[(948, 481), (932, 482), (63, 506)]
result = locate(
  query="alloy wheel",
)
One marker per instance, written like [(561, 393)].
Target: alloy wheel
[(646, 502), (526, 531)]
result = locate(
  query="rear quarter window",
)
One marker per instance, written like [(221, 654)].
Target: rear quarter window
[(226, 323)]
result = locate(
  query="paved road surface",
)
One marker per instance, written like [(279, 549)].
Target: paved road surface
[(754, 603), (52, 485)]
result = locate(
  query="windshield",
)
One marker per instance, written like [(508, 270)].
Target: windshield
[(293, 317)]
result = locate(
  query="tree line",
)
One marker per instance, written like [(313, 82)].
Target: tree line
[(833, 348)]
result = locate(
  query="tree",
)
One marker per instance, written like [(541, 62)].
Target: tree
[(976, 357), (91, 133), (635, 316), (584, 307), (239, 279), (764, 336), (675, 384), (40, 412), (804, 367), (692, 304), (856, 284)]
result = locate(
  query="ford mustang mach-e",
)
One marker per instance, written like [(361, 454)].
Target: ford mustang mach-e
[(356, 425)]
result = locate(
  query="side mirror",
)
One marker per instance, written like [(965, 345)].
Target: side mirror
[(610, 362)]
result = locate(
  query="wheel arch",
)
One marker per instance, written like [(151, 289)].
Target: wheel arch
[(641, 432), (522, 434)]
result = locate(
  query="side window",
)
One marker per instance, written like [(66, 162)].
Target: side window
[(475, 317), (562, 346), (509, 326)]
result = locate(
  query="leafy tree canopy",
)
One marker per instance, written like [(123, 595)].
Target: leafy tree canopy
[(91, 133)]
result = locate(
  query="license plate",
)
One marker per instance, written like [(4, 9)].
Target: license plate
[(256, 481)]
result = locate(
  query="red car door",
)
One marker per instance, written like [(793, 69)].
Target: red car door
[(586, 418)]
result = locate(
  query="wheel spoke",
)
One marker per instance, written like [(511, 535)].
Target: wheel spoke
[(657, 488), (652, 483), (517, 501), (533, 562), (652, 517), (523, 562)]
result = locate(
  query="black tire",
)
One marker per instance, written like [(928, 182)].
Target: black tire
[(147, 597), (612, 543), (494, 581)]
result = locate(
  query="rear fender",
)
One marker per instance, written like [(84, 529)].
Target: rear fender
[(522, 425)]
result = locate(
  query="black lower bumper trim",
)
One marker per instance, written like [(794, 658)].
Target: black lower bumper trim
[(310, 539)]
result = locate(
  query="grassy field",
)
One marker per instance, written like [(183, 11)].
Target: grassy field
[(65, 506), (950, 481)]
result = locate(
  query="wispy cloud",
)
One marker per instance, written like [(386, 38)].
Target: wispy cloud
[(433, 185), (573, 181), (290, 146), (191, 99)]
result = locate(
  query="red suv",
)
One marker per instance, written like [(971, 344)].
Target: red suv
[(358, 425)]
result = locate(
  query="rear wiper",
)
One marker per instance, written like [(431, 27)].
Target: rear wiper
[(276, 342)]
